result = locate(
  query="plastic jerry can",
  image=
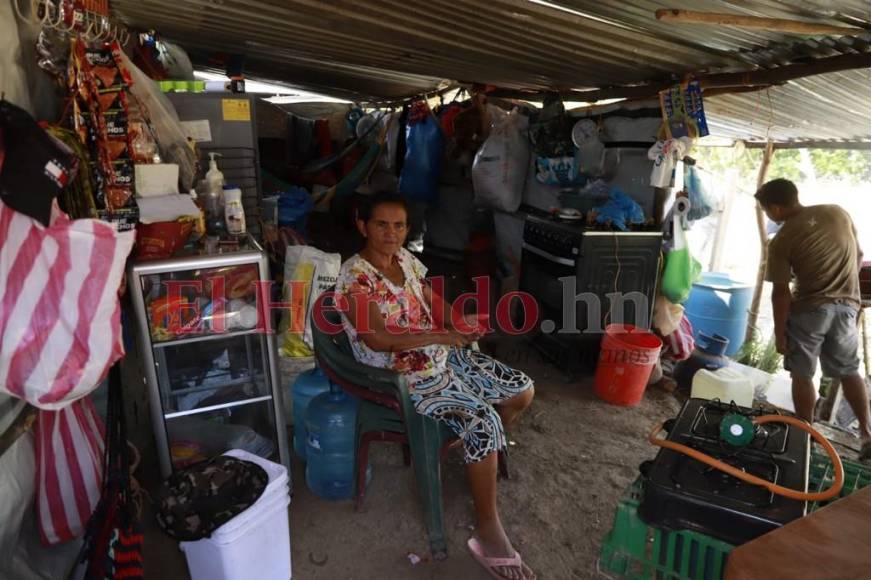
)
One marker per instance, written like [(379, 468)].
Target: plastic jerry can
[(724, 384)]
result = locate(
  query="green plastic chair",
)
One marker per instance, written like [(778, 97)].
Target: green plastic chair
[(387, 409)]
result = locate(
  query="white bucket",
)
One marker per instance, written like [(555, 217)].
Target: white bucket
[(256, 539)]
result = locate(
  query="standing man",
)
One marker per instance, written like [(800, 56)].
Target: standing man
[(817, 319)]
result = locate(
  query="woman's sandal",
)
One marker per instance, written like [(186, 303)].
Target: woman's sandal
[(493, 564)]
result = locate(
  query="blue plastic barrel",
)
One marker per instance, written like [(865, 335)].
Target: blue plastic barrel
[(718, 304), (331, 422), (307, 386)]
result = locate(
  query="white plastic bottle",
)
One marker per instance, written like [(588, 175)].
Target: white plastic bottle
[(214, 199), (234, 213), (214, 177)]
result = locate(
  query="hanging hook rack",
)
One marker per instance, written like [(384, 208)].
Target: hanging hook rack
[(91, 22)]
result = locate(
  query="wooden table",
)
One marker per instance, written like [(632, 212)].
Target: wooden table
[(833, 543)]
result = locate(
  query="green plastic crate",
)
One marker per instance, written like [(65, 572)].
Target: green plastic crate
[(856, 476), (632, 550)]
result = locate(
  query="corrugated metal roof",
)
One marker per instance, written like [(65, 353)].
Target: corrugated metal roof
[(388, 49), (829, 107)]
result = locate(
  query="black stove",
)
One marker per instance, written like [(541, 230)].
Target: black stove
[(682, 493), (564, 264)]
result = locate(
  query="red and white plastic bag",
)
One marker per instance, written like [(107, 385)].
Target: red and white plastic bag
[(70, 444), (60, 327)]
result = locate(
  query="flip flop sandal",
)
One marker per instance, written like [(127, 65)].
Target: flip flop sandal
[(492, 564)]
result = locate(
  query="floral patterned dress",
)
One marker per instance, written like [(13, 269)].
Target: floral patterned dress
[(404, 306), (456, 386)]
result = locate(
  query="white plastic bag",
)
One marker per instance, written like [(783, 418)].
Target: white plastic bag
[(665, 155), (164, 121), (308, 272), (501, 164)]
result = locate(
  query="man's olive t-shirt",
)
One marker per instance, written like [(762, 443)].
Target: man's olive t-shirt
[(817, 246)]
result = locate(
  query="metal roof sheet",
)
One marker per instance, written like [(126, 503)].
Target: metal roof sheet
[(389, 49)]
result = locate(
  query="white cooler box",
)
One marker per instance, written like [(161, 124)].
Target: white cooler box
[(257, 539)]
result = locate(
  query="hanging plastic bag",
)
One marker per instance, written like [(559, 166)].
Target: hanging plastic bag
[(665, 155), (702, 203), (165, 123), (61, 320), (500, 166), (69, 470), (424, 152), (681, 269), (294, 206), (308, 272)]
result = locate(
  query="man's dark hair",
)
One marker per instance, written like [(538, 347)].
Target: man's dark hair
[(781, 192), (367, 208)]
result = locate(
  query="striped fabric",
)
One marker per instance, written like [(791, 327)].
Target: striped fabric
[(679, 345), (60, 325), (69, 470)]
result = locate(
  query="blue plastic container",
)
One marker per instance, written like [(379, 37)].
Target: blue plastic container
[(307, 386), (331, 422), (720, 305), (709, 354)]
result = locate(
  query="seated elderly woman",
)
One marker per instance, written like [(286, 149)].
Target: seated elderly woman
[(391, 325)]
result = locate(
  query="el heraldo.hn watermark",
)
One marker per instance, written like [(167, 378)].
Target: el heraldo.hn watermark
[(516, 312)]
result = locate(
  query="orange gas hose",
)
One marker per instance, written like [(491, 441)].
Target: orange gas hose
[(831, 492)]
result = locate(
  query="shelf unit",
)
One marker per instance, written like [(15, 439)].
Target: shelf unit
[(208, 391)]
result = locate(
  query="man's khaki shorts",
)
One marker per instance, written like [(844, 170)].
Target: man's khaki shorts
[(830, 334)]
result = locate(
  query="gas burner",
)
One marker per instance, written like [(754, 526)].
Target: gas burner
[(681, 492), (768, 438), (703, 480)]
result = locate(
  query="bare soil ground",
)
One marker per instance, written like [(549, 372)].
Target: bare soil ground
[(572, 458)]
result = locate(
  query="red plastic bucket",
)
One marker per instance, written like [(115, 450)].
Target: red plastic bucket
[(626, 360)]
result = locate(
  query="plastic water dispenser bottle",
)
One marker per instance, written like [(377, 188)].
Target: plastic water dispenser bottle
[(307, 386), (331, 422)]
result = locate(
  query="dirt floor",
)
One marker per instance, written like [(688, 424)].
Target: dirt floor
[(572, 457)]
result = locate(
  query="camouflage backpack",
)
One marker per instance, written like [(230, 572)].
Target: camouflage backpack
[(197, 500)]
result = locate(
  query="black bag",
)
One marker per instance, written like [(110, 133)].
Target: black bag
[(34, 166)]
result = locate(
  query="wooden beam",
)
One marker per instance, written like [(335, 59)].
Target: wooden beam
[(850, 145), (763, 245), (758, 22), (761, 78)]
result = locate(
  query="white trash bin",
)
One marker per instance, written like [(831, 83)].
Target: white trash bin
[(257, 539)]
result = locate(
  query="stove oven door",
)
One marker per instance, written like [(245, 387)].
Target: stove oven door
[(539, 276)]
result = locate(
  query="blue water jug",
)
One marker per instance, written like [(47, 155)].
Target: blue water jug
[(307, 386), (331, 422), (718, 304)]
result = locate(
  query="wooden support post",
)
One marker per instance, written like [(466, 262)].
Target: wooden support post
[(758, 22), (763, 245)]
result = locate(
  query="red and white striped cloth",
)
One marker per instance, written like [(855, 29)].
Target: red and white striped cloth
[(60, 327), (69, 470), (679, 345)]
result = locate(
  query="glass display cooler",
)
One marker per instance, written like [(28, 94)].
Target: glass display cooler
[(211, 371)]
